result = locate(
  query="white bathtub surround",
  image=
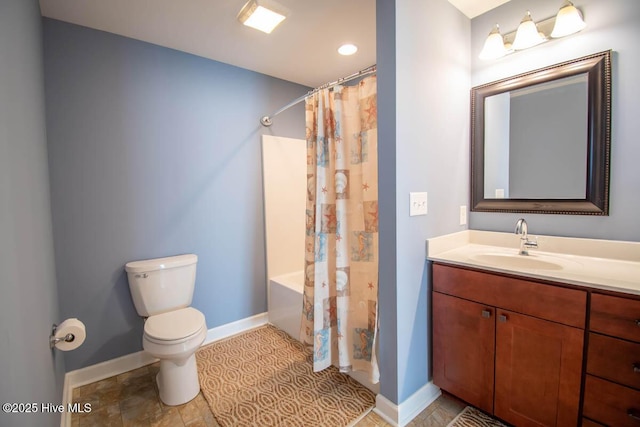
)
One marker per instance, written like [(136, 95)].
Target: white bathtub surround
[(284, 173), (284, 177), (604, 264), (285, 296)]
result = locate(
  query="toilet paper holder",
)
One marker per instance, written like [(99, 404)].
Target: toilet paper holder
[(53, 340)]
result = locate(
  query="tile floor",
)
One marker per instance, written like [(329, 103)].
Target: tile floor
[(131, 399)]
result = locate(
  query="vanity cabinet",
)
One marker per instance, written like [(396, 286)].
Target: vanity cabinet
[(511, 347), (612, 383)]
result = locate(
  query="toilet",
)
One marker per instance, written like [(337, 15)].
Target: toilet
[(162, 291)]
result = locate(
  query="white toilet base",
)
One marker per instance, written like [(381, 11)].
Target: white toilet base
[(178, 384)]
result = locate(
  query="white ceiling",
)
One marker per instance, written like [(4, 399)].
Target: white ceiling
[(473, 8), (303, 49)]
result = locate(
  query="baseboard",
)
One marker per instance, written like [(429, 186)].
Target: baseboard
[(387, 410), (401, 415), (221, 332), (109, 368)]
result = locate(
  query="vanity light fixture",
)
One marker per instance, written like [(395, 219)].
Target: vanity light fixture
[(263, 15), (568, 21), (494, 45), (529, 33)]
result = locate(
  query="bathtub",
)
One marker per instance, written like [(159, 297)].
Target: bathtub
[(285, 312), (285, 302)]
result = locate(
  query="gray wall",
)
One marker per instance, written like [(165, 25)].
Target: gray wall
[(29, 370), (430, 151), (613, 24), (154, 152)]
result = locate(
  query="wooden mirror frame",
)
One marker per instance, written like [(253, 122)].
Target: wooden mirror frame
[(598, 70)]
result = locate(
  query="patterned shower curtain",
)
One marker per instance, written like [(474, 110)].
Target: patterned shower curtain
[(340, 306)]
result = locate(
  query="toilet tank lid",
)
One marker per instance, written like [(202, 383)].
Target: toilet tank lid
[(160, 263)]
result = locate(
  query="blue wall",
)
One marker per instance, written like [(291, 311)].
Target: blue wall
[(29, 370), (423, 108), (433, 69), (613, 24), (154, 152), (387, 289)]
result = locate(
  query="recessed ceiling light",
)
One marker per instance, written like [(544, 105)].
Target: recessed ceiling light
[(347, 49), (262, 15)]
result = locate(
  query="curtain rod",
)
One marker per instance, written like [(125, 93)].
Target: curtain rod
[(266, 120)]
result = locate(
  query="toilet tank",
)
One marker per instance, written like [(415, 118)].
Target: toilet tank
[(162, 284)]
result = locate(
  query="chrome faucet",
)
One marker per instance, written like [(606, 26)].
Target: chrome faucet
[(525, 243)]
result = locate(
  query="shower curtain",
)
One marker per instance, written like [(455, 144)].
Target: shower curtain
[(340, 304)]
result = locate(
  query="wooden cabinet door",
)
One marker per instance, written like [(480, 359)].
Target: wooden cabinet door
[(538, 367), (463, 349)]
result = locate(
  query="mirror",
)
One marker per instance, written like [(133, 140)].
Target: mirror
[(540, 141)]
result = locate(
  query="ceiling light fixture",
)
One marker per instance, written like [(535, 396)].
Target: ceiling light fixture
[(529, 33), (347, 49), (263, 15)]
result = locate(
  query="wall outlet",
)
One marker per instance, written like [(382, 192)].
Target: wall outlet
[(463, 215), (417, 204)]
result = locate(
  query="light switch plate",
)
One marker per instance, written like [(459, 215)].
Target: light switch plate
[(417, 204), (463, 215)]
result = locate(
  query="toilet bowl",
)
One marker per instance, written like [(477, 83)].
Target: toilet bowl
[(162, 290), (174, 337)]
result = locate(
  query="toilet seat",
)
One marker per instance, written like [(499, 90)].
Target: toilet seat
[(174, 327)]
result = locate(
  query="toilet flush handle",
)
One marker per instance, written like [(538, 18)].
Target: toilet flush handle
[(143, 276)]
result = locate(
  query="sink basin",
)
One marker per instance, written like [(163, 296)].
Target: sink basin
[(518, 261)]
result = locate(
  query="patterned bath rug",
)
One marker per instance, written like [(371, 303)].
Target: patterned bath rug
[(472, 417), (265, 378)]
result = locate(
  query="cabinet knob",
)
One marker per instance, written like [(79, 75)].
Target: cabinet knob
[(633, 414), (486, 313), (637, 322), (636, 368), (502, 318)]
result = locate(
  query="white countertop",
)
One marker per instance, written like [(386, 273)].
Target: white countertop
[(603, 264)]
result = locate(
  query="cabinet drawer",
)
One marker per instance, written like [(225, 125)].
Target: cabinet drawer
[(549, 302), (615, 316), (614, 359), (610, 403)]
